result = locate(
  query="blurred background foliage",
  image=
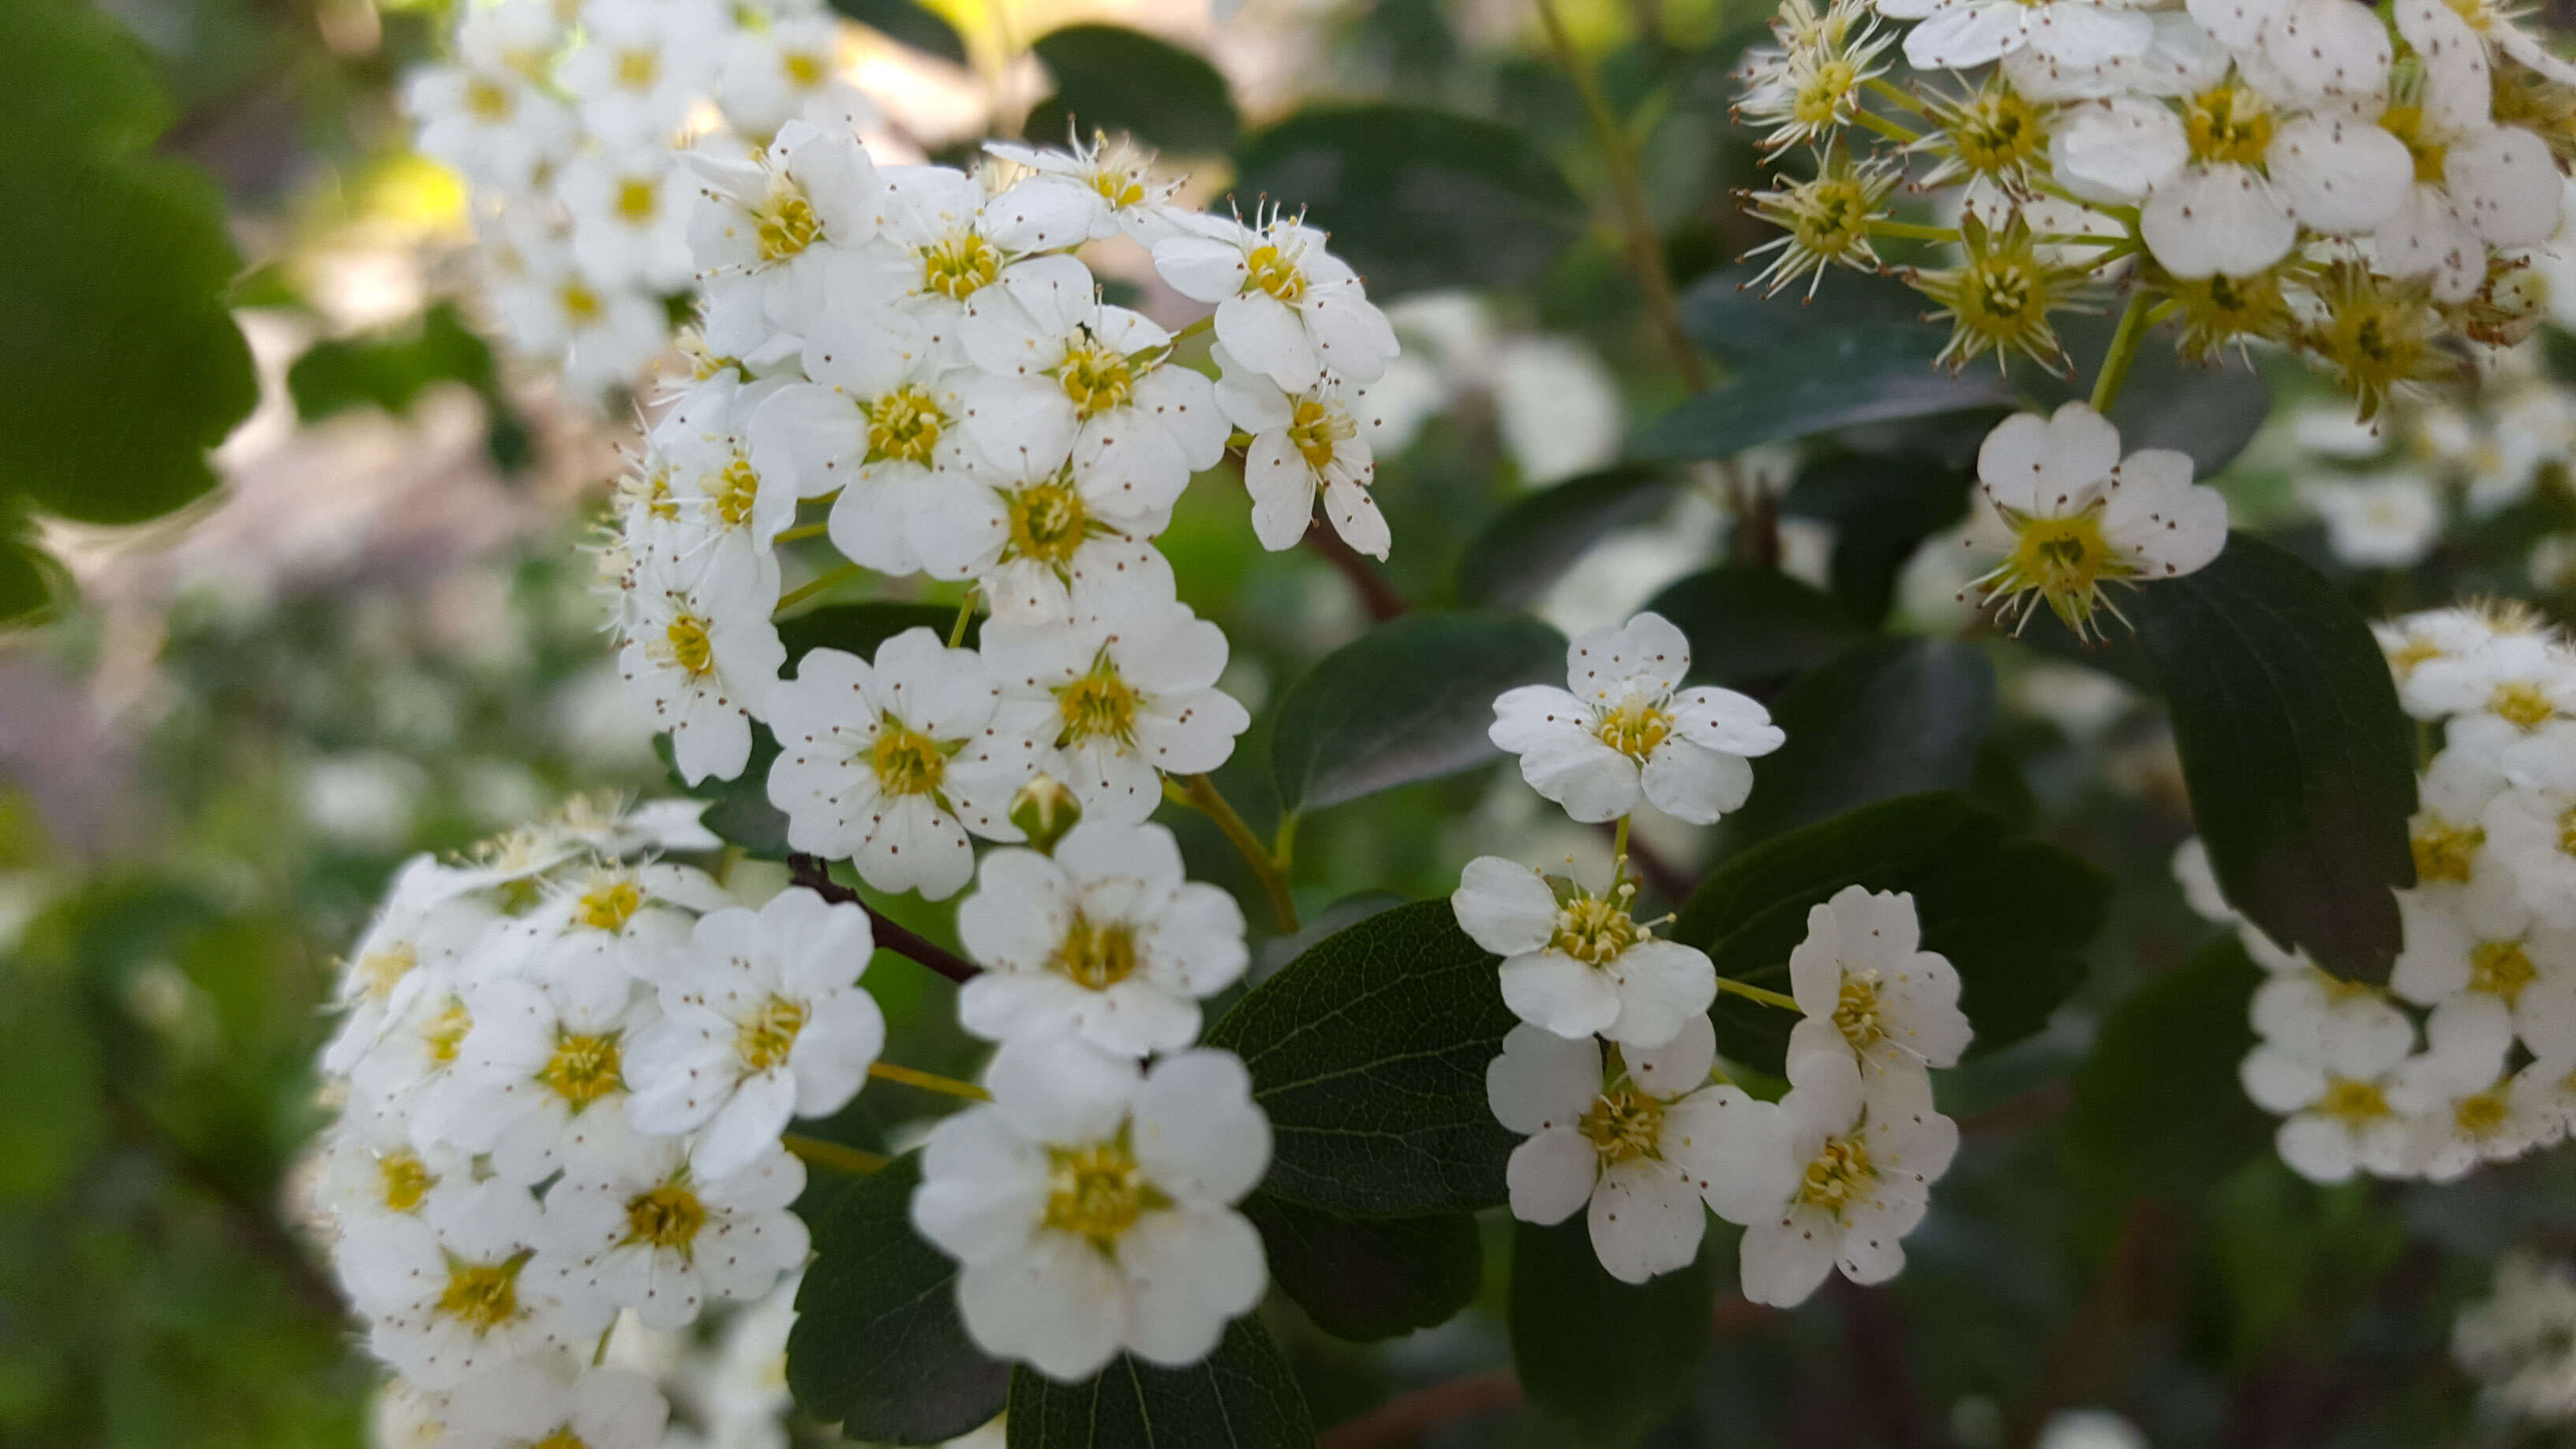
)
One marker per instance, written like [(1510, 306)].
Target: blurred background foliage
[(375, 639)]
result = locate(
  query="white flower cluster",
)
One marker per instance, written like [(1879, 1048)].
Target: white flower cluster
[(1613, 1073), (564, 1072), (2521, 1343), (565, 119), (2294, 172), (2489, 959)]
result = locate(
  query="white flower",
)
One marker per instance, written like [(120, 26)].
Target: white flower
[(1028, 530), (2181, 58), (371, 1169), (1106, 941), (606, 335), (1638, 1142), (2338, 1122), (1869, 992), (2479, 952), (1860, 1179), (2499, 693), (488, 115), (2447, 834), (406, 1416), (655, 1236), (2383, 521), (627, 917), (427, 920), (777, 236), (878, 421), (1558, 407), (551, 1402), (772, 73), (2452, 1131), (464, 1285), (630, 218), (1576, 963), (1092, 1205), (2522, 1342), (2476, 185), (1314, 442), (1113, 181), (701, 652), (2443, 634), (641, 65), (771, 1023), (542, 1081), (1118, 697), (1284, 305), (2074, 515), (890, 764), (1064, 374), (2532, 830), (724, 494), (413, 1063), (951, 239), (1959, 34), (1626, 731), (2324, 1020)]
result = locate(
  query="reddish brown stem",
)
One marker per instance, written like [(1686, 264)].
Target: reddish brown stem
[(1376, 594), (1407, 1418), (815, 876)]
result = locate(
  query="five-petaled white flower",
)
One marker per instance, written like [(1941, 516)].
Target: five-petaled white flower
[(1869, 991), (1313, 442), (1284, 306), (465, 1284), (1578, 963), (652, 1234), (555, 1402), (778, 236), (878, 421)]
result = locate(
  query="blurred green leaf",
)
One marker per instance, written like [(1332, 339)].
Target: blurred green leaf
[(1243, 1396), (862, 628), (1612, 1359), (2210, 411), (1409, 700), (2300, 764), (1368, 1052), (1886, 717), (2158, 1110), (1865, 375), (878, 1347), (85, 85), (1415, 198), (31, 582), (1750, 625), (1731, 320), (1370, 1278), (1108, 78), (392, 370), (907, 22), (1881, 510), (49, 1081), (1541, 534), (2011, 913)]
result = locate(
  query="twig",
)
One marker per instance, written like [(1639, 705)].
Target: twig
[(1376, 594), (814, 876), (1406, 1418), (1670, 882), (1202, 795), (2031, 1108), (1876, 1340)]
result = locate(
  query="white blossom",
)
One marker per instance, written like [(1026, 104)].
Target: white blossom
[(1869, 991), (552, 1402), (1285, 306), (701, 653), (1860, 1177), (1578, 963), (465, 1285), (653, 1235), (1316, 442)]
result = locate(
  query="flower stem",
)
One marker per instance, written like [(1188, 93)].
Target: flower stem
[(1619, 849), (811, 873), (1203, 796), (804, 530), (1887, 90), (929, 1081), (2124, 349), (1913, 231), (1779, 999), (829, 578), (1885, 127), (965, 616), (832, 1155)]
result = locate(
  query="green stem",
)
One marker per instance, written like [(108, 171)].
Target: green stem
[(829, 578), (2124, 350), (1755, 993), (1619, 850), (929, 1081), (965, 616), (1913, 231), (1885, 127), (832, 1155), (1887, 90), (1203, 796), (804, 530)]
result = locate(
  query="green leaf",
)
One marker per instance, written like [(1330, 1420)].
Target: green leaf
[(1613, 1359), (1541, 534), (390, 371), (907, 22), (31, 582), (1415, 198), (1409, 700), (49, 1082), (83, 83), (1241, 1397), (878, 1346), (1865, 375), (1369, 1053), (1749, 625), (1886, 717), (2300, 764), (862, 628), (1108, 78), (1728, 319), (1881, 510), (2158, 1111), (739, 812), (2011, 913), (1370, 1278)]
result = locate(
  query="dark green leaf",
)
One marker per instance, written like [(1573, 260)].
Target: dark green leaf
[(31, 582), (739, 812), (1409, 700), (49, 1082), (2011, 913), (878, 1346), (389, 371), (1415, 198), (1887, 717), (907, 22), (1112, 79), (1742, 326), (2208, 411), (2158, 1110), (2301, 766), (1241, 1397), (83, 83), (1881, 509), (1369, 1054), (862, 628), (1865, 375), (1540, 535), (1748, 625), (1370, 1278), (1613, 1359)]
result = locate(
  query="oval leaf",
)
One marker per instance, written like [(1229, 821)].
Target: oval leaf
[(1108, 78), (1866, 375), (862, 627), (1887, 717), (1881, 510), (907, 22), (1728, 318), (2158, 1110), (2011, 913), (1409, 700), (1243, 1396), (2300, 764), (1416, 198), (2209, 411), (1369, 1054), (1613, 1359), (1539, 535), (1372, 1278), (878, 1347), (1749, 625)]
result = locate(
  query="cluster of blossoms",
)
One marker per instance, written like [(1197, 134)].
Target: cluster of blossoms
[(1613, 1075), (2489, 960), (565, 121), (564, 1069), (2521, 1343), (2302, 174)]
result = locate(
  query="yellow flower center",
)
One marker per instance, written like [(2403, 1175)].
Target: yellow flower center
[(638, 200), (1838, 1176), (960, 265), (1098, 705), (667, 1217), (1997, 132), (638, 69), (2480, 1116), (906, 761), (2061, 559), (446, 1033), (1096, 1193), (737, 490), (482, 1296), (2352, 1102), (691, 649), (403, 1180), (2406, 123), (583, 1068), (609, 904), (489, 101), (1624, 1124), (2228, 125), (1595, 929), (2522, 704), (562, 1438), (2378, 333), (1274, 273), (1635, 727), (2446, 852), (1856, 1010), (2567, 831), (1824, 93), (764, 1038), (787, 225), (581, 305), (1829, 216), (2501, 969), (1096, 955), (379, 972), (1313, 429), (904, 425), (1120, 189), (804, 69), (1096, 378), (1049, 522)]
